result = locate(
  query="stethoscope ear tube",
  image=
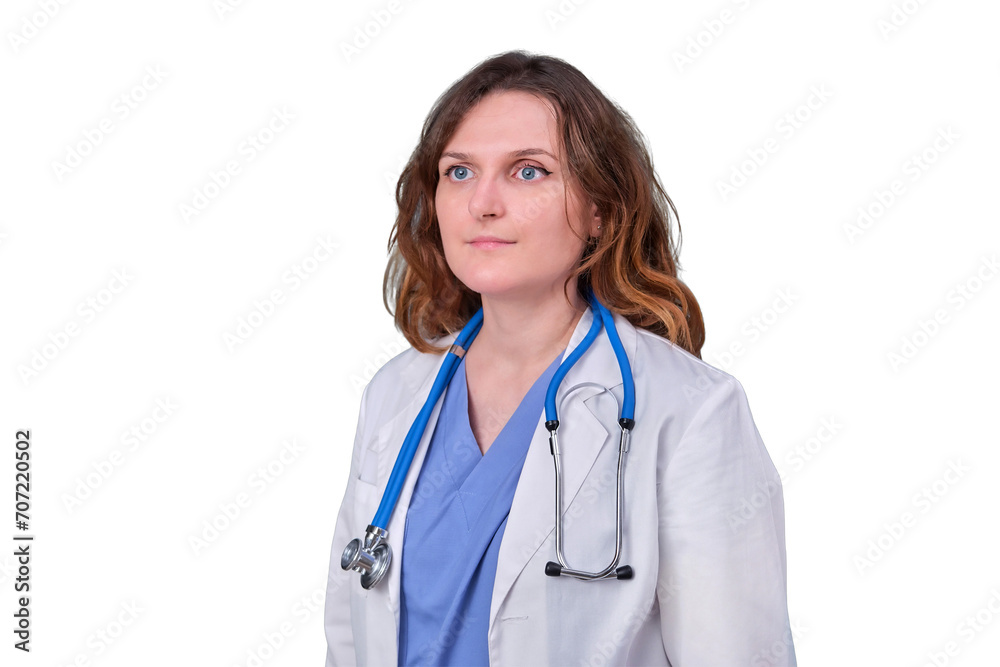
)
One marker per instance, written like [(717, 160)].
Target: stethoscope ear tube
[(602, 316), (613, 569), (567, 363), (628, 382)]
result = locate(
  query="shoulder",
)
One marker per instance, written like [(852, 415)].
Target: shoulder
[(686, 397), (402, 376), (676, 374), (695, 408)]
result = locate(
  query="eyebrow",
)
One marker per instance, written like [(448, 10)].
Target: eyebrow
[(524, 152)]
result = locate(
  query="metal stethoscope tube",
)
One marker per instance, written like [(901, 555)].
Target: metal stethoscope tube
[(560, 568), (372, 556)]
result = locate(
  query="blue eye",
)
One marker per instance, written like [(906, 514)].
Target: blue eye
[(460, 172), (530, 172), (526, 172)]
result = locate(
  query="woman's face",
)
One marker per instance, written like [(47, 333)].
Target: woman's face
[(501, 177)]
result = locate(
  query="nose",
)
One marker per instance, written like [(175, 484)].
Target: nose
[(487, 199)]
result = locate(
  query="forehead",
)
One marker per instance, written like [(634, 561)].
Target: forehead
[(505, 122)]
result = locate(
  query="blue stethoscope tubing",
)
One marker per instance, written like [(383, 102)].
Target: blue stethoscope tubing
[(371, 557), (416, 432), (628, 408)]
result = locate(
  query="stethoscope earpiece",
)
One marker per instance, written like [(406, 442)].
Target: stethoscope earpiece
[(555, 570)]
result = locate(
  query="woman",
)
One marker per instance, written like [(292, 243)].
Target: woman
[(529, 194)]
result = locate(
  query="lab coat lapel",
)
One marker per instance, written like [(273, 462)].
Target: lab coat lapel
[(584, 430)]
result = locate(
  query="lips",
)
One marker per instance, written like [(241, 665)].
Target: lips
[(489, 239)]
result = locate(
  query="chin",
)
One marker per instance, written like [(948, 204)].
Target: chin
[(488, 288), (482, 280), (504, 289)]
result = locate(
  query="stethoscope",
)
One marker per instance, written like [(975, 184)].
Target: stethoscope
[(371, 556)]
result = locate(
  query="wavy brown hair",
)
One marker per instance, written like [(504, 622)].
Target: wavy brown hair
[(631, 267)]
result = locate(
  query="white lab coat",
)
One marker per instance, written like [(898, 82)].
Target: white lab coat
[(703, 521)]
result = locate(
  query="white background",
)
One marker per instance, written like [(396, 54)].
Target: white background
[(893, 428)]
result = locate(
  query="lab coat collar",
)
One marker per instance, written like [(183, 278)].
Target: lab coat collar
[(582, 436)]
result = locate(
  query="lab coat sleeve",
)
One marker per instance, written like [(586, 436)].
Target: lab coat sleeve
[(722, 580), (337, 611)]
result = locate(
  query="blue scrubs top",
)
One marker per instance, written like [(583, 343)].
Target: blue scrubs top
[(454, 525)]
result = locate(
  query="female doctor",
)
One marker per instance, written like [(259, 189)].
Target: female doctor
[(531, 196)]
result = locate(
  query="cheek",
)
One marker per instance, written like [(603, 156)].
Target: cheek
[(553, 229), (444, 211), (541, 205), (566, 244)]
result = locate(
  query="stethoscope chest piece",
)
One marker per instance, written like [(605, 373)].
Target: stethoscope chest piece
[(371, 559)]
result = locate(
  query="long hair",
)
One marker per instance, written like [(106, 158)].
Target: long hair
[(631, 267)]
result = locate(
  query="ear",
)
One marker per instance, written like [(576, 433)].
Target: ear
[(595, 221)]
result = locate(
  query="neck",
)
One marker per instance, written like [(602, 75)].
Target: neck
[(519, 331)]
